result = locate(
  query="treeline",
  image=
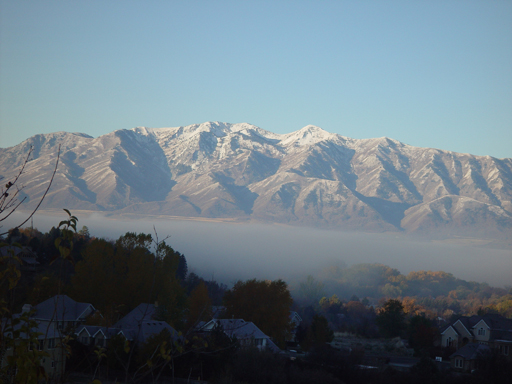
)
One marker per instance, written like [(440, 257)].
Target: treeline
[(114, 276), (137, 267), (437, 293)]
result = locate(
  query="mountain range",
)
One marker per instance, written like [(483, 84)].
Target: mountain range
[(239, 171)]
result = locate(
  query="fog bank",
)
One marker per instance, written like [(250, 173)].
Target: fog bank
[(232, 251)]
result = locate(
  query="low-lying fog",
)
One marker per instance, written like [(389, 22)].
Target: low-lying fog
[(228, 251)]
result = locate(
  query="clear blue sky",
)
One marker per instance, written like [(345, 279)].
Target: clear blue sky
[(428, 73)]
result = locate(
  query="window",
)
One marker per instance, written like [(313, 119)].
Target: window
[(54, 363), (504, 350), (85, 340), (481, 332), (40, 345), (51, 343), (449, 341), (458, 363)]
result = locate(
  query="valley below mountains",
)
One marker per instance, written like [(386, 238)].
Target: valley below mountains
[(240, 172)]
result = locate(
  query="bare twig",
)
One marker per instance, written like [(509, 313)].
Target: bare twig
[(5, 202), (42, 198)]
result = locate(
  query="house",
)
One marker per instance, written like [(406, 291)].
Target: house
[(95, 335), (23, 257), (472, 336), (138, 325), (54, 319), (295, 319), (466, 358), (291, 339), (246, 332), (492, 330)]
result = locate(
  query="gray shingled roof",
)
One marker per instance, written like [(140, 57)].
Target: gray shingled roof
[(60, 308), (143, 312), (140, 324), (471, 351), (242, 329), (501, 327)]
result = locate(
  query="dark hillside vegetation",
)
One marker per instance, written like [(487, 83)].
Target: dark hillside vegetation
[(371, 302), (438, 293)]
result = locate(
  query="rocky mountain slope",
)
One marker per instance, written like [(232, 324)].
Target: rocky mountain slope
[(308, 177)]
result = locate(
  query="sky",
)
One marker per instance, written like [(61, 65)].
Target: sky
[(430, 74)]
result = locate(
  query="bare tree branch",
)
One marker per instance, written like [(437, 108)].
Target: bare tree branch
[(11, 184), (7, 202)]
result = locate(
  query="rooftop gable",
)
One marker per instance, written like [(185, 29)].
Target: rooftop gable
[(238, 328), (464, 326), (61, 308), (143, 312), (480, 324), (497, 322), (450, 327)]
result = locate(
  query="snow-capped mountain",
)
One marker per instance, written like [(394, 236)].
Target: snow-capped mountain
[(308, 177)]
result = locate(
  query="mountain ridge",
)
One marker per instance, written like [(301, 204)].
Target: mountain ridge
[(307, 177)]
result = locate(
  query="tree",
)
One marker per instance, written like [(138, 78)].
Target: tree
[(332, 305), (391, 318), (20, 334), (318, 333), (422, 333), (200, 306), (311, 290), (115, 278), (84, 232), (9, 195), (266, 303)]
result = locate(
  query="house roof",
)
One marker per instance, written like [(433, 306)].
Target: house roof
[(140, 324), (218, 311), (497, 322), (295, 318), (445, 328), (143, 312), (93, 330), (501, 327), (146, 329), (240, 329), (465, 323), (24, 253), (61, 308), (471, 351), (43, 329)]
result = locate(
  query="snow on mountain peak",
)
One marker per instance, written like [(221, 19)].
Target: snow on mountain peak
[(142, 131), (215, 127), (310, 134)]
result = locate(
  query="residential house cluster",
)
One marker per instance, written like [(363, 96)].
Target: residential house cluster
[(137, 326), (60, 317), (246, 332), (475, 336), (55, 319)]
